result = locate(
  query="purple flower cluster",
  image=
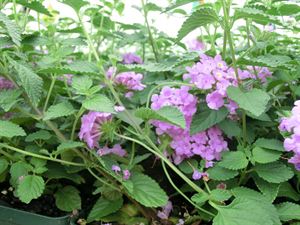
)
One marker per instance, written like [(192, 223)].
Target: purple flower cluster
[(195, 45), (292, 125), (90, 130), (131, 81), (116, 149), (117, 169), (6, 84), (131, 58), (214, 75), (166, 210), (208, 144)]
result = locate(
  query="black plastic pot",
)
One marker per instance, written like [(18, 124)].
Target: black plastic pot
[(10, 216)]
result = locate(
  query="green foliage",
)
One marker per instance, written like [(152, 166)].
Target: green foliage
[(220, 174), (234, 160), (272, 144), (3, 165), (269, 190), (275, 172), (262, 155), (166, 114), (9, 129), (201, 17), (82, 84), (75, 4), (146, 191), (34, 5), (230, 128), (68, 199), (206, 119), (255, 101), (8, 98), (59, 110), (99, 103), (11, 28), (104, 207), (39, 135), (30, 187), (288, 211)]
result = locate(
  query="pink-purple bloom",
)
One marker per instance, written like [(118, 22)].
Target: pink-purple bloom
[(126, 174), (195, 45), (116, 168), (116, 149), (197, 175), (6, 84), (131, 58), (90, 130), (292, 125), (166, 210)]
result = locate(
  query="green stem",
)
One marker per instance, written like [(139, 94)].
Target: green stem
[(15, 11), (102, 180), (79, 114), (181, 193), (151, 39), (53, 79), (40, 156)]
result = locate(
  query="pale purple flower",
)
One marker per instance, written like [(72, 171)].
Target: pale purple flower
[(197, 175), (90, 130), (130, 80), (126, 174), (6, 84), (116, 149), (166, 210), (116, 168), (131, 58), (215, 100), (110, 72), (195, 45)]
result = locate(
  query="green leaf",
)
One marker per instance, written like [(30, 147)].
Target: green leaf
[(179, 3), (273, 61), (3, 165), (83, 67), (275, 172), (201, 17), (30, 81), (146, 191), (67, 199), (18, 170), (287, 9), (31, 187), (59, 110), (220, 195), (69, 145), (12, 29), (206, 119), (273, 144), (220, 174), (255, 101), (75, 4), (167, 114), (39, 135), (187, 166), (99, 103), (262, 155), (8, 98), (269, 190), (234, 160), (35, 5), (82, 84), (9, 129), (288, 211), (230, 128), (241, 211), (104, 207), (200, 198), (287, 190)]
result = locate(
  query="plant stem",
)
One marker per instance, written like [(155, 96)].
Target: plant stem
[(40, 156), (53, 79), (181, 193), (151, 39), (78, 115), (102, 181)]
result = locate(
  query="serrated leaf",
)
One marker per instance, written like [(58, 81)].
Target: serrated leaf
[(17, 170), (3, 165), (200, 198), (99, 103), (104, 207), (230, 128), (201, 17), (262, 155), (34, 5), (39, 135), (59, 110), (288, 211), (287, 190), (167, 114), (30, 187), (272, 61), (12, 29), (75, 4), (30, 81), (83, 67), (67, 199), (241, 211), (69, 145), (273, 144), (275, 172), (82, 83), (146, 191), (234, 160), (287, 9), (255, 101), (220, 195), (9, 129), (179, 3), (269, 190), (8, 98), (220, 174)]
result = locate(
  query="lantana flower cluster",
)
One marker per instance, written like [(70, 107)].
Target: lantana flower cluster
[(213, 75), (292, 143), (208, 144), (131, 58)]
